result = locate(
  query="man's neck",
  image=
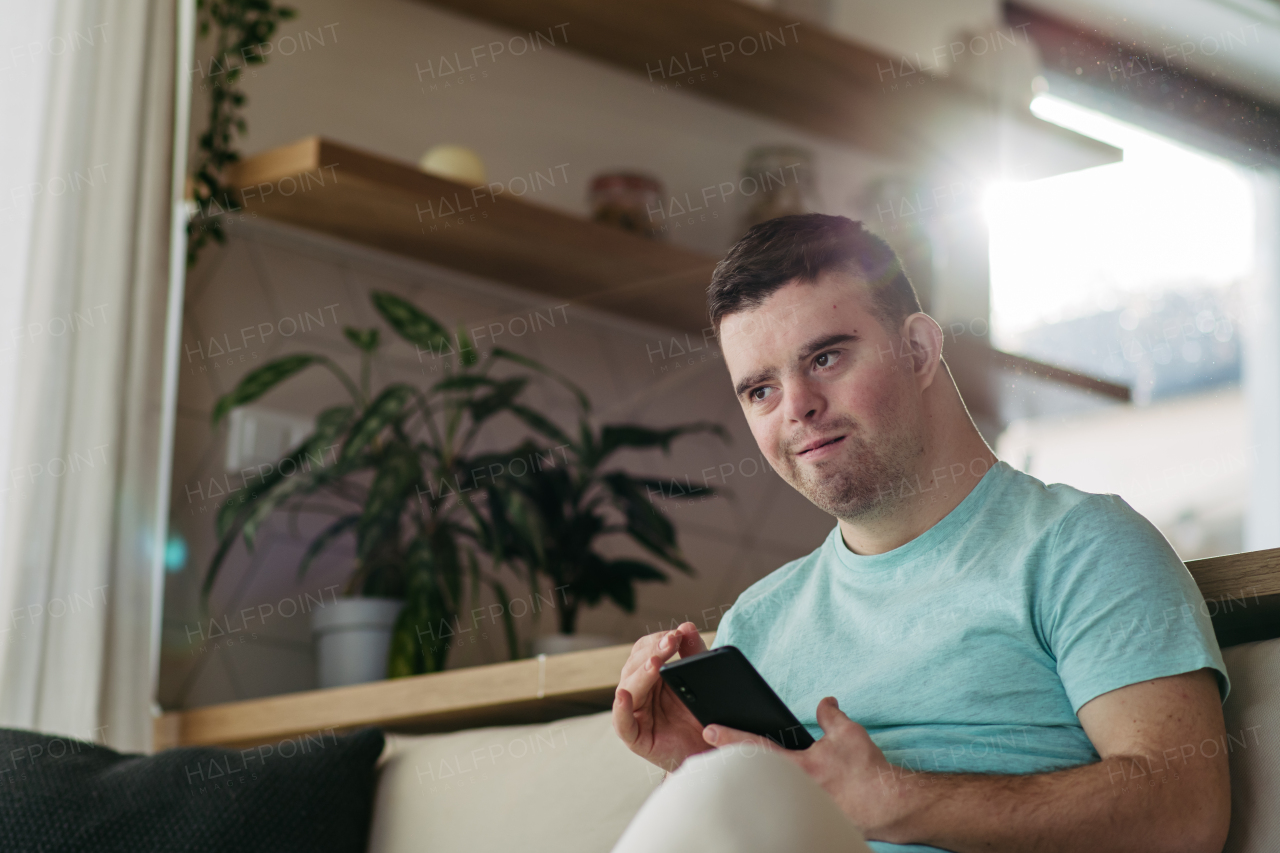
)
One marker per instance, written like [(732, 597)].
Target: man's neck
[(925, 497)]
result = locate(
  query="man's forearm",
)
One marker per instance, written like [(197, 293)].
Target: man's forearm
[(1125, 803)]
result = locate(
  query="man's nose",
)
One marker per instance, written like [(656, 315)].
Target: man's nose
[(801, 402)]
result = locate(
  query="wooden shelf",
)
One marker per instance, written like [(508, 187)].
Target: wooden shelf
[(364, 198), (1242, 594), (1242, 591), (806, 76), (521, 691), (1238, 576)]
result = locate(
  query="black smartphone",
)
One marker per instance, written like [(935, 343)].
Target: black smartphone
[(721, 687)]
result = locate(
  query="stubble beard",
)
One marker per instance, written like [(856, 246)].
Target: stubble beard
[(860, 483)]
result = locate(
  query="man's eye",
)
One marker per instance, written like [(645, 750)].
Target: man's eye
[(756, 394), (830, 359)]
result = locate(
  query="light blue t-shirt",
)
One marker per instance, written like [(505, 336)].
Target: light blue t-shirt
[(970, 648)]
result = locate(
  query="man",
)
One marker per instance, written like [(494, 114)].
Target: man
[(989, 663)]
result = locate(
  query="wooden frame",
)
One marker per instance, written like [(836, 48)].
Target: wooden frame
[(1242, 594), (536, 689)]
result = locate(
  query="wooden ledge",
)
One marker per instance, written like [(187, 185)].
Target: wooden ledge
[(489, 231), (1251, 575), (522, 691)]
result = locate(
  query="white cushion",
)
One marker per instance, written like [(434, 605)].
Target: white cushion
[(1253, 719), (571, 785), (566, 786)]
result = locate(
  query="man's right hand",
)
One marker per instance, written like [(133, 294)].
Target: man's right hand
[(647, 715)]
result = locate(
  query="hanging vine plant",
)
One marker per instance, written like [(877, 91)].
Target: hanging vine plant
[(242, 27)]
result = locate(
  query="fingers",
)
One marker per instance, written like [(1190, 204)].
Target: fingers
[(719, 736), (831, 719), (829, 711), (829, 714), (640, 673), (690, 641), (624, 718), (670, 642), (661, 643)]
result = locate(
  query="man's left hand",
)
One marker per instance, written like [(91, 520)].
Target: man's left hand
[(845, 762)]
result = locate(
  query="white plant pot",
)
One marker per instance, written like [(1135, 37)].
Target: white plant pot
[(353, 638), (554, 644)]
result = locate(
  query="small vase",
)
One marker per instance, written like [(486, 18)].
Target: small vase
[(353, 638), (554, 644), (782, 181)]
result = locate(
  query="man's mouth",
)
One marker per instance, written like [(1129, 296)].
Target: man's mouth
[(818, 445)]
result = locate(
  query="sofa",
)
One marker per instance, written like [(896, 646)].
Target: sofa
[(570, 786)]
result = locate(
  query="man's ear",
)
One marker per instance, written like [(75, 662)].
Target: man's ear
[(923, 337)]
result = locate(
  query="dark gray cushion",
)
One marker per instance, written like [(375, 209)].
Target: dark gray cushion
[(312, 793)]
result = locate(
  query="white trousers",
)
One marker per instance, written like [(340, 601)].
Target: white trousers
[(740, 799)]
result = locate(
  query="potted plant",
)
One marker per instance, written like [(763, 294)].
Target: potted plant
[(416, 546), (567, 510)]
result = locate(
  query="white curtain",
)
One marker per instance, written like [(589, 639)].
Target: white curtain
[(81, 548)]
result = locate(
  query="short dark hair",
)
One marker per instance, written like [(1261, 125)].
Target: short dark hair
[(800, 247)]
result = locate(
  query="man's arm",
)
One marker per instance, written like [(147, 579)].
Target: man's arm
[(1162, 784)]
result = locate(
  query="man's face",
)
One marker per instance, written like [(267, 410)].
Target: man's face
[(813, 366)]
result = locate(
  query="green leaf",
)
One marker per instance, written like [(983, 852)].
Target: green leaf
[(645, 522), (419, 329), (466, 350), (382, 412), (529, 524), (235, 505), (260, 381), (637, 570), (215, 563), (618, 584), (407, 654), (540, 423), (324, 540), (489, 405), (589, 456), (583, 401), (667, 488), (239, 510), (330, 424), (616, 436), (508, 622), (464, 382), (284, 489), (398, 471), (366, 341)]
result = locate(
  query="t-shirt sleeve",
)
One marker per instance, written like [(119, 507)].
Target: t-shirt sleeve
[(1118, 607), (724, 630)]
